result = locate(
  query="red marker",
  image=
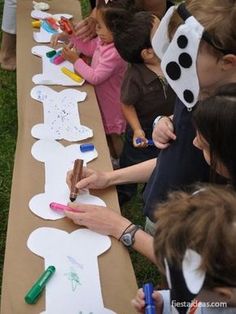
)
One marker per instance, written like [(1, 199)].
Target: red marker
[(65, 25)]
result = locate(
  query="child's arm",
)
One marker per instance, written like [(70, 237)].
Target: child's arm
[(109, 62), (86, 29), (56, 37), (131, 116), (87, 48)]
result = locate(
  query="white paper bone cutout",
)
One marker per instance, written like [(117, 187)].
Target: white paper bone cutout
[(42, 6), (61, 115), (52, 74), (58, 160), (40, 15), (43, 36), (76, 284)]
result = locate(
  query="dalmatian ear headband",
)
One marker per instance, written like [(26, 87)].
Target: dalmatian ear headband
[(185, 284), (178, 57)]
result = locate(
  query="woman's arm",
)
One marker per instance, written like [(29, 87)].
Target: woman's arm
[(106, 221)]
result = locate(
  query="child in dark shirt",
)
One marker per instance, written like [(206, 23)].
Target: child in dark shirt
[(144, 92)]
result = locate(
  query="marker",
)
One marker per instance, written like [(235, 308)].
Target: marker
[(65, 25), (60, 208), (58, 60), (76, 176), (51, 53), (72, 75), (139, 141), (34, 293), (52, 23), (149, 302), (36, 24), (58, 53), (86, 147)]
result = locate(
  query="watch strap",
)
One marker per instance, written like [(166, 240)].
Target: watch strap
[(129, 231)]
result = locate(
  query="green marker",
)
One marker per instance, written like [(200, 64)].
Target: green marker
[(34, 293), (51, 53)]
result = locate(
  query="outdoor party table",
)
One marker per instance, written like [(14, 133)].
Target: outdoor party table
[(21, 266)]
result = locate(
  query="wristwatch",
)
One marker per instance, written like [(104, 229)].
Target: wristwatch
[(127, 238)]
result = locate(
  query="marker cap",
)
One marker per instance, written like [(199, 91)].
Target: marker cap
[(86, 147), (51, 53)]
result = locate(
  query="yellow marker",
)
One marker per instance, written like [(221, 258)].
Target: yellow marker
[(72, 75), (36, 24)]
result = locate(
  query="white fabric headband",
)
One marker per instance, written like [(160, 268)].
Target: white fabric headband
[(178, 57)]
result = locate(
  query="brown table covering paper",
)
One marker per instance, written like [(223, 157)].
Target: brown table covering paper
[(21, 266)]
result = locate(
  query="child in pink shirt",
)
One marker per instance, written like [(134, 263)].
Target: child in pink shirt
[(105, 73)]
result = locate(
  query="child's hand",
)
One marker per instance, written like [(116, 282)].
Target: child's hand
[(139, 134), (69, 54), (139, 302), (56, 37), (86, 29), (163, 133)]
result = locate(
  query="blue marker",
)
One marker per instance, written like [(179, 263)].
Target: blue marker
[(149, 302), (86, 147), (139, 141)]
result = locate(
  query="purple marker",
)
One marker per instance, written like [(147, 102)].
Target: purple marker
[(149, 302), (139, 141)]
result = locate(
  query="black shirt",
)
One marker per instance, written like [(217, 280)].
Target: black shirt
[(179, 165)]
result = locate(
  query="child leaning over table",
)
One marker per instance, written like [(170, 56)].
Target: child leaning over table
[(145, 94), (106, 73), (195, 249)]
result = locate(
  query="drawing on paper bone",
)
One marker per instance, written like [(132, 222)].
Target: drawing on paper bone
[(58, 160), (73, 277), (43, 36), (82, 245), (61, 115), (74, 262), (52, 74)]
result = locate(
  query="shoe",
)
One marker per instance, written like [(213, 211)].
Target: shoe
[(8, 52)]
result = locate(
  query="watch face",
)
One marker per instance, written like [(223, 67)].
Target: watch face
[(127, 239)]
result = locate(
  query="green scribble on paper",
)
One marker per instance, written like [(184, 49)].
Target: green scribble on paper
[(80, 312), (74, 278)]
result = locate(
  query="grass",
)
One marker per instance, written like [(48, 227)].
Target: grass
[(8, 131)]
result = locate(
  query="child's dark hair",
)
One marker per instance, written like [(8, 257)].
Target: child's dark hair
[(215, 120), (205, 222), (128, 5), (131, 33)]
